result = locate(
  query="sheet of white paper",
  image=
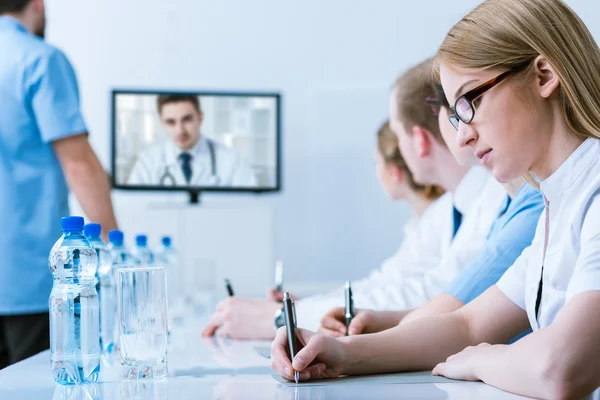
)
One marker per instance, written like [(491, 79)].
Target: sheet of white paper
[(402, 378), (264, 351)]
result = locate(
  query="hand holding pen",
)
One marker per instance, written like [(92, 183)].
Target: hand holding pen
[(289, 311), (349, 309), (299, 355)]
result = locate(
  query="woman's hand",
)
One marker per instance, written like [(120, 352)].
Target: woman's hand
[(365, 321), (319, 357), (462, 366)]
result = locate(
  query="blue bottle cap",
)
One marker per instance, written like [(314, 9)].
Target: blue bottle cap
[(92, 231), (71, 224), (141, 240), (116, 237), (166, 241)]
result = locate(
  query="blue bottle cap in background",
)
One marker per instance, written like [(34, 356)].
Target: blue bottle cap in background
[(166, 241), (115, 237), (141, 240), (71, 224), (92, 230)]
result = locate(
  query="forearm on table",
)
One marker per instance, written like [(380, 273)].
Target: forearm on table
[(389, 319), (441, 304), (416, 346)]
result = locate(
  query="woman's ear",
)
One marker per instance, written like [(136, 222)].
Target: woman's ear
[(396, 173), (421, 141), (546, 77)]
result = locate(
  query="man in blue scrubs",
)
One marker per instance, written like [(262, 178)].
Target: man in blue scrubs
[(43, 148)]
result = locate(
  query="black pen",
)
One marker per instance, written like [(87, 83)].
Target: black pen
[(349, 314), (279, 276), (229, 288), (289, 311)]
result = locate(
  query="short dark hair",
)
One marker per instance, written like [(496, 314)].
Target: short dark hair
[(440, 95), (412, 88), (13, 6), (176, 98)]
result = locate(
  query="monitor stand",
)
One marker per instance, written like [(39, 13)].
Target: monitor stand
[(194, 196)]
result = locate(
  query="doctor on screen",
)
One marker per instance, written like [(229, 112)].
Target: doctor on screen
[(188, 158)]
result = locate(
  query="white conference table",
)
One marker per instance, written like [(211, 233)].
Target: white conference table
[(216, 369)]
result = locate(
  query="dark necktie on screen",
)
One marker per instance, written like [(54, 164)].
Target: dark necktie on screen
[(457, 220), (186, 166)]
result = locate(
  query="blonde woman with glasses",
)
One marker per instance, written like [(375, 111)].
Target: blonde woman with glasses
[(523, 77)]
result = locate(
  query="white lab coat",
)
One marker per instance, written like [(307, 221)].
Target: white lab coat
[(570, 230), (428, 258), (160, 166)]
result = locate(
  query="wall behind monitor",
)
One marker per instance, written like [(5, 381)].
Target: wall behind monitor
[(333, 60)]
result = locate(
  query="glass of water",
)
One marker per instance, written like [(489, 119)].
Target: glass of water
[(142, 316)]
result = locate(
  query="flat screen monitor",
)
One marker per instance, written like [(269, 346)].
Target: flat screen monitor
[(196, 141)]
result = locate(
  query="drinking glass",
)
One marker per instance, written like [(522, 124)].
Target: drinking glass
[(142, 316)]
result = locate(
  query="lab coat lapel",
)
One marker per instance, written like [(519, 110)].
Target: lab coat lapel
[(201, 173)]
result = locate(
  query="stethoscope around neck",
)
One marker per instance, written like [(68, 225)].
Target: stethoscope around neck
[(167, 176)]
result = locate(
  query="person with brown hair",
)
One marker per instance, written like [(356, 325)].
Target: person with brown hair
[(522, 79), (396, 179), (189, 158), (424, 243)]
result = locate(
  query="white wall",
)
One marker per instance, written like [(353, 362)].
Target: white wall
[(333, 60)]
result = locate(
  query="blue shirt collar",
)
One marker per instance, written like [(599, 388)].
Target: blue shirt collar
[(7, 22), (510, 205)]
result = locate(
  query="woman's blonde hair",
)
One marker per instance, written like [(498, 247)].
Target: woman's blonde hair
[(510, 34), (387, 145)]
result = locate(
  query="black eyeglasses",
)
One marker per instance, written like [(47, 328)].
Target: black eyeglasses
[(464, 110)]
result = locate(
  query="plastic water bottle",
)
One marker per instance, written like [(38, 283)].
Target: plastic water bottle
[(167, 253), (167, 256), (74, 307), (141, 253), (118, 252), (107, 290)]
